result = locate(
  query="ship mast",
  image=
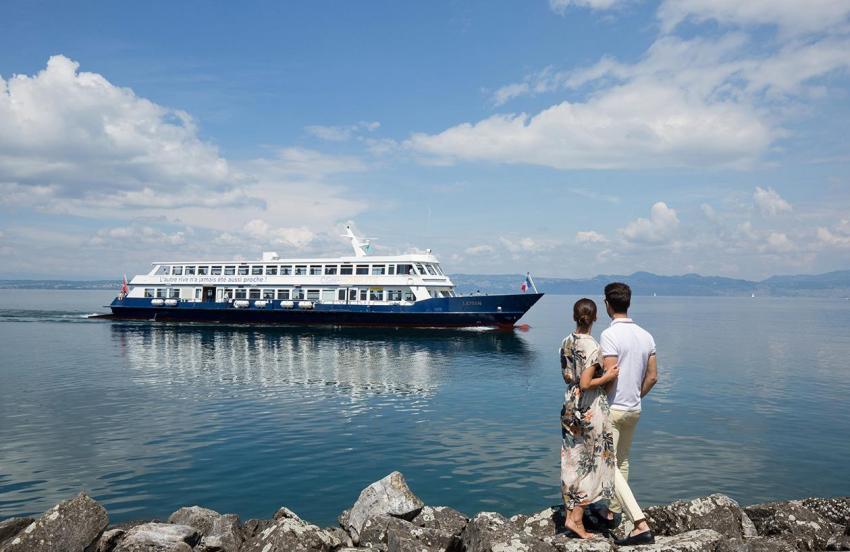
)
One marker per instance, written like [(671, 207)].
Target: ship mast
[(361, 247)]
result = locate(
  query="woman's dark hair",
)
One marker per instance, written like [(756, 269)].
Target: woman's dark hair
[(619, 297), (584, 312)]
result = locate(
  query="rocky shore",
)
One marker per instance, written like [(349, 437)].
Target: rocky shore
[(388, 516)]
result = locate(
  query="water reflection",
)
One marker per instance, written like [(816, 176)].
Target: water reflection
[(354, 362)]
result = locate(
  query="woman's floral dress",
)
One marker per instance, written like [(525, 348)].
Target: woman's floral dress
[(588, 458)]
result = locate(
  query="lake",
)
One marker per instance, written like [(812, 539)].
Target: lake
[(148, 417)]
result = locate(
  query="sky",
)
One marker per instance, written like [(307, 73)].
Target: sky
[(563, 137)]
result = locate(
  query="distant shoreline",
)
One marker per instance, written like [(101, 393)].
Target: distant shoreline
[(834, 285)]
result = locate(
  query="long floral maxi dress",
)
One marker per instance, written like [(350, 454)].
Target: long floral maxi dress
[(588, 458)]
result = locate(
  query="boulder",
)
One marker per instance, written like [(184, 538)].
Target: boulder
[(717, 512), (159, 537), (768, 544), (108, 541), (340, 534), (386, 532), (805, 529), (700, 540), (389, 496), (291, 534), (70, 526), (218, 532), (835, 509), (443, 518), (563, 543), (254, 527), (342, 519), (492, 532), (11, 527), (542, 524)]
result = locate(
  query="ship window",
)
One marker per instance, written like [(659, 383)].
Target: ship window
[(162, 270), (160, 293), (352, 294), (362, 269), (190, 271), (376, 295), (430, 270), (315, 270), (229, 270), (215, 270), (271, 270), (149, 292), (419, 269), (173, 293), (241, 293), (228, 294), (439, 270), (364, 294), (330, 270), (268, 294), (390, 269), (409, 296), (203, 270), (300, 270), (327, 295), (379, 270), (405, 269), (298, 293), (285, 270), (253, 294), (312, 294), (256, 271), (243, 271), (340, 294), (283, 294), (177, 271), (393, 295), (346, 269)]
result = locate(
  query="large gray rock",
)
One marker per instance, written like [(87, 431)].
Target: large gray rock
[(291, 534), (254, 527), (220, 533), (541, 525), (838, 542), (159, 537), (443, 518), (492, 532), (388, 496), (11, 527), (386, 532), (701, 540), (835, 509), (568, 544), (108, 541), (768, 544), (70, 526), (717, 512), (805, 529)]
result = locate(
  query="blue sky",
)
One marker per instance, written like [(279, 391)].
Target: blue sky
[(565, 137)]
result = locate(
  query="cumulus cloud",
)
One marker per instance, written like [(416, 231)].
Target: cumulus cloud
[(791, 16), (658, 228), (838, 236), (479, 250), (591, 237), (769, 202), (341, 133), (527, 245), (264, 233), (560, 6), (135, 235)]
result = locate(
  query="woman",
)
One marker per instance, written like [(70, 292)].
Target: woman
[(588, 458)]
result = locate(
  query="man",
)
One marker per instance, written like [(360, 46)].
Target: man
[(632, 348)]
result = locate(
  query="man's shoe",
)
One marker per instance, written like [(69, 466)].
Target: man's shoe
[(636, 540)]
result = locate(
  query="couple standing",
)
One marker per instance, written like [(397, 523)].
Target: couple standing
[(605, 383)]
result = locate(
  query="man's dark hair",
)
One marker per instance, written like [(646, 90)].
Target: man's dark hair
[(619, 296)]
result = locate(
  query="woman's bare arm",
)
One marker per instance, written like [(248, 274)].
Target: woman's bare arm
[(589, 382)]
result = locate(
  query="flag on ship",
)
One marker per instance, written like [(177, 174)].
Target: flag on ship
[(124, 288), (526, 284)]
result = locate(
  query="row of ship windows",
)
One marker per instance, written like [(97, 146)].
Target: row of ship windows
[(298, 270), (326, 295)]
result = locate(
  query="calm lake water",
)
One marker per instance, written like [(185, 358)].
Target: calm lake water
[(752, 402)]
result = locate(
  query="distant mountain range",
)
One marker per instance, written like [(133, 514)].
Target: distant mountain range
[(832, 284)]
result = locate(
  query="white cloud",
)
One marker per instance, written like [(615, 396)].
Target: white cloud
[(135, 235), (527, 245), (341, 133), (791, 16), (769, 202), (590, 236), (778, 242), (659, 227), (838, 236), (479, 250), (263, 232), (709, 212), (560, 6)]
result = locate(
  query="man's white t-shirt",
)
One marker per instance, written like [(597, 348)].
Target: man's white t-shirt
[(632, 345)]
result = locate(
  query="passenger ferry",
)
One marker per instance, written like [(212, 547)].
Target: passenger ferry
[(398, 290)]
